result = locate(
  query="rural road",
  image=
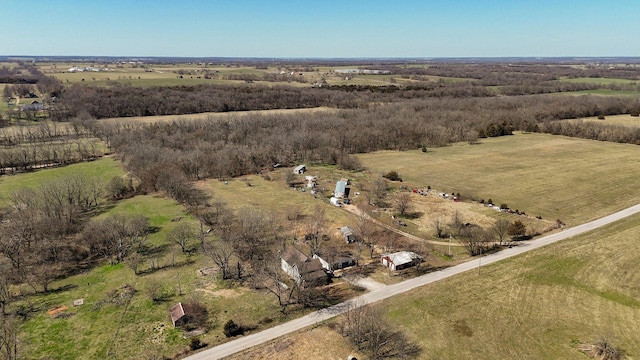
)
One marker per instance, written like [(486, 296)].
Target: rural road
[(388, 291)]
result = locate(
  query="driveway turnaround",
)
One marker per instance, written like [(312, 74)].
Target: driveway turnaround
[(388, 291)]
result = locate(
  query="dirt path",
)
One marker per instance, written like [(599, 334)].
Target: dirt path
[(388, 291), (354, 210), (362, 281)]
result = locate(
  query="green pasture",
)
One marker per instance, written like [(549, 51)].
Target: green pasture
[(540, 305), (104, 168), (601, 81), (556, 177), (600, 92)]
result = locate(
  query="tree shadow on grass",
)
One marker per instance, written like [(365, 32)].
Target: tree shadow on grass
[(175, 265)]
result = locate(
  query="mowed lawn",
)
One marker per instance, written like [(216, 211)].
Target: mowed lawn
[(555, 177), (541, 305)]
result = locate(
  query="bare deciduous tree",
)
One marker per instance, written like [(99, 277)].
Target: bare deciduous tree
[(220, 252), (250, 231), (380, 190), (183, 236), (438, 226), (475, 239), (403, 202), (9, 327), (365, 328), (501, 229)]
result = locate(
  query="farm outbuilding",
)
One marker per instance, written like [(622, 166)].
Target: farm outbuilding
[(181, 314), (342, 191), (335, 201), (401, 260), (348, 234), (300, 169)]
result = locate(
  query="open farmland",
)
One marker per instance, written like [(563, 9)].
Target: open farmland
[(216, 115), (602, 81), (623, 119), (275, 195), (555, 177)]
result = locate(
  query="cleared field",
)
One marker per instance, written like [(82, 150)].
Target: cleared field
[(276, 196), (601, 92), (624, 120), (555, 177), (209, 115), (104, 168), (601, 81)]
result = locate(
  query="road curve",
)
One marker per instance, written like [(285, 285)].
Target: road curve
[(246, 342)]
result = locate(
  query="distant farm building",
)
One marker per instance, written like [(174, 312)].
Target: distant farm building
[(348, 234), (302, 269), (342, 191), (300, 169), (401, 260)]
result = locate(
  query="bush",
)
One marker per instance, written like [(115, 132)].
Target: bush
[(195, 344), (635, 113), (600, 117), (232, 329), (393, 176)]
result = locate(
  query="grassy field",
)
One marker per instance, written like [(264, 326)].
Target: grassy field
[(624, 120), (104, 168), (600, 81), (102, 327), (601, 92), (555, 177), (546, 304), (276, 196)]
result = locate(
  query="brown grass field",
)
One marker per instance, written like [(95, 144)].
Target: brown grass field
[(556, 177), (215, 115), (624, 120)]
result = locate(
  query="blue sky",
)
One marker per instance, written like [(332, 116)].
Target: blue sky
[(329, 28)]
